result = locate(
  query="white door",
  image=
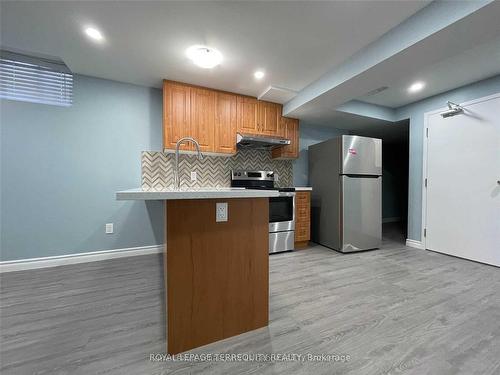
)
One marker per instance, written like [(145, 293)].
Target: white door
[(463, 188)]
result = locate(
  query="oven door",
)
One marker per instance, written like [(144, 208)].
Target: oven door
[(282, 213)]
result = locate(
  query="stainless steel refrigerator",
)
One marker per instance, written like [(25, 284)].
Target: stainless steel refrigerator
[(346, 176)]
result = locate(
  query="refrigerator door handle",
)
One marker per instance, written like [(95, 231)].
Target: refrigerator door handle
[(361, 175)]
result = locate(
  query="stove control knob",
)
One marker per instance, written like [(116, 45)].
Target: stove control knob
[(270, 174)]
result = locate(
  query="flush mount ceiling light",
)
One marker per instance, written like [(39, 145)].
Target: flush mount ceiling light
[(93, 34), (203, 56), (416, 87), (259, 74)]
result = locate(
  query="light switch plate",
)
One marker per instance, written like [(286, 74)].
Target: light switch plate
[(221, 212), (109, 228), (193, 176)]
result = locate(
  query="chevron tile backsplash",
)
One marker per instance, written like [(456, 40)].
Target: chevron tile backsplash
[(213, 171)]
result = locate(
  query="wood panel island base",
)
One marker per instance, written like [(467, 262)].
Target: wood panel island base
[(217, 273)]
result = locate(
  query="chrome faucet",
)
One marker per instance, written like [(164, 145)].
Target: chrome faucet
[(177, 180)]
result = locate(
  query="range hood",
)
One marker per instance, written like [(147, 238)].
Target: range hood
[(261, 142)]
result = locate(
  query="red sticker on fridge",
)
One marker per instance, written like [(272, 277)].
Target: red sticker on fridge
[(352, 151)]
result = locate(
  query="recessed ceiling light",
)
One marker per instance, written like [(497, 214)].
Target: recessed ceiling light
[(94, 34), (203, 56), (259, 74), (416, 87)]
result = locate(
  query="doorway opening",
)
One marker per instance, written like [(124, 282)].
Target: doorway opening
[(395, 160)]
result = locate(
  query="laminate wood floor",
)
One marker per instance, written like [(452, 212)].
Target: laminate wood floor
[(393, 311)]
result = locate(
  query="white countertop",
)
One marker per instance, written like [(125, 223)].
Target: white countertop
[(303, 188), (206, 193)]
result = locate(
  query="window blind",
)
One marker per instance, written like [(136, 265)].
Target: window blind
[(36, 80)]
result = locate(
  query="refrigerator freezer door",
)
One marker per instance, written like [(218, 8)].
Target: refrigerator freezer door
[(361, 213), (361, 155)]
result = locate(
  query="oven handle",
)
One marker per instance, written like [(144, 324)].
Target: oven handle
[(287, 194)]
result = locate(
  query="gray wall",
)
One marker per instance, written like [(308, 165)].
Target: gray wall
[(415, 112), (60, 168)]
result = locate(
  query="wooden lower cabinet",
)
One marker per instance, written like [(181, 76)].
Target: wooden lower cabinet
[(302, 218)]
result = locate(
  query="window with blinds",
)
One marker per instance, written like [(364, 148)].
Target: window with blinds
[(33, 79)]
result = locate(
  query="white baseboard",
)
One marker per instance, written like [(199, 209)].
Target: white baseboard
[(61, 260), (390, 219), (415, 244)]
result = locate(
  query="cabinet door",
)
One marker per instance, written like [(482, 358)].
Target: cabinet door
[(292, 133), (225, 123), (203, 118), (176, 114), (302, 216), (288, 128), (269, 118), (248, 115)]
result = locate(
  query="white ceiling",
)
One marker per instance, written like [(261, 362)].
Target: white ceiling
[(460, 49), (470, 65), (390, 132), (293, 42)]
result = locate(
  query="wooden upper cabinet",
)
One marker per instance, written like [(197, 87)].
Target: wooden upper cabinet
[(292, 133), (213, 117), (248, 115), (225, 123), (203, 118), (176, 114), (269, 118), (289, 128), (258, 117)]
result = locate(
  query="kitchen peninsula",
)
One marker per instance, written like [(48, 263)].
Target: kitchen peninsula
[(216, 272)]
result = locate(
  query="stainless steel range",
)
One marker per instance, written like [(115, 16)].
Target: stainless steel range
[(281, 208)]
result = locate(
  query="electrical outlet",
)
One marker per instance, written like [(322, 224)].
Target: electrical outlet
[(221, 212), (193, 176), (109, 228)]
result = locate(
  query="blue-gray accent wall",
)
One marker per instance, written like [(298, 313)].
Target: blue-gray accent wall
[(415, 112), (310, 135), (436, 16), (60, 169)]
